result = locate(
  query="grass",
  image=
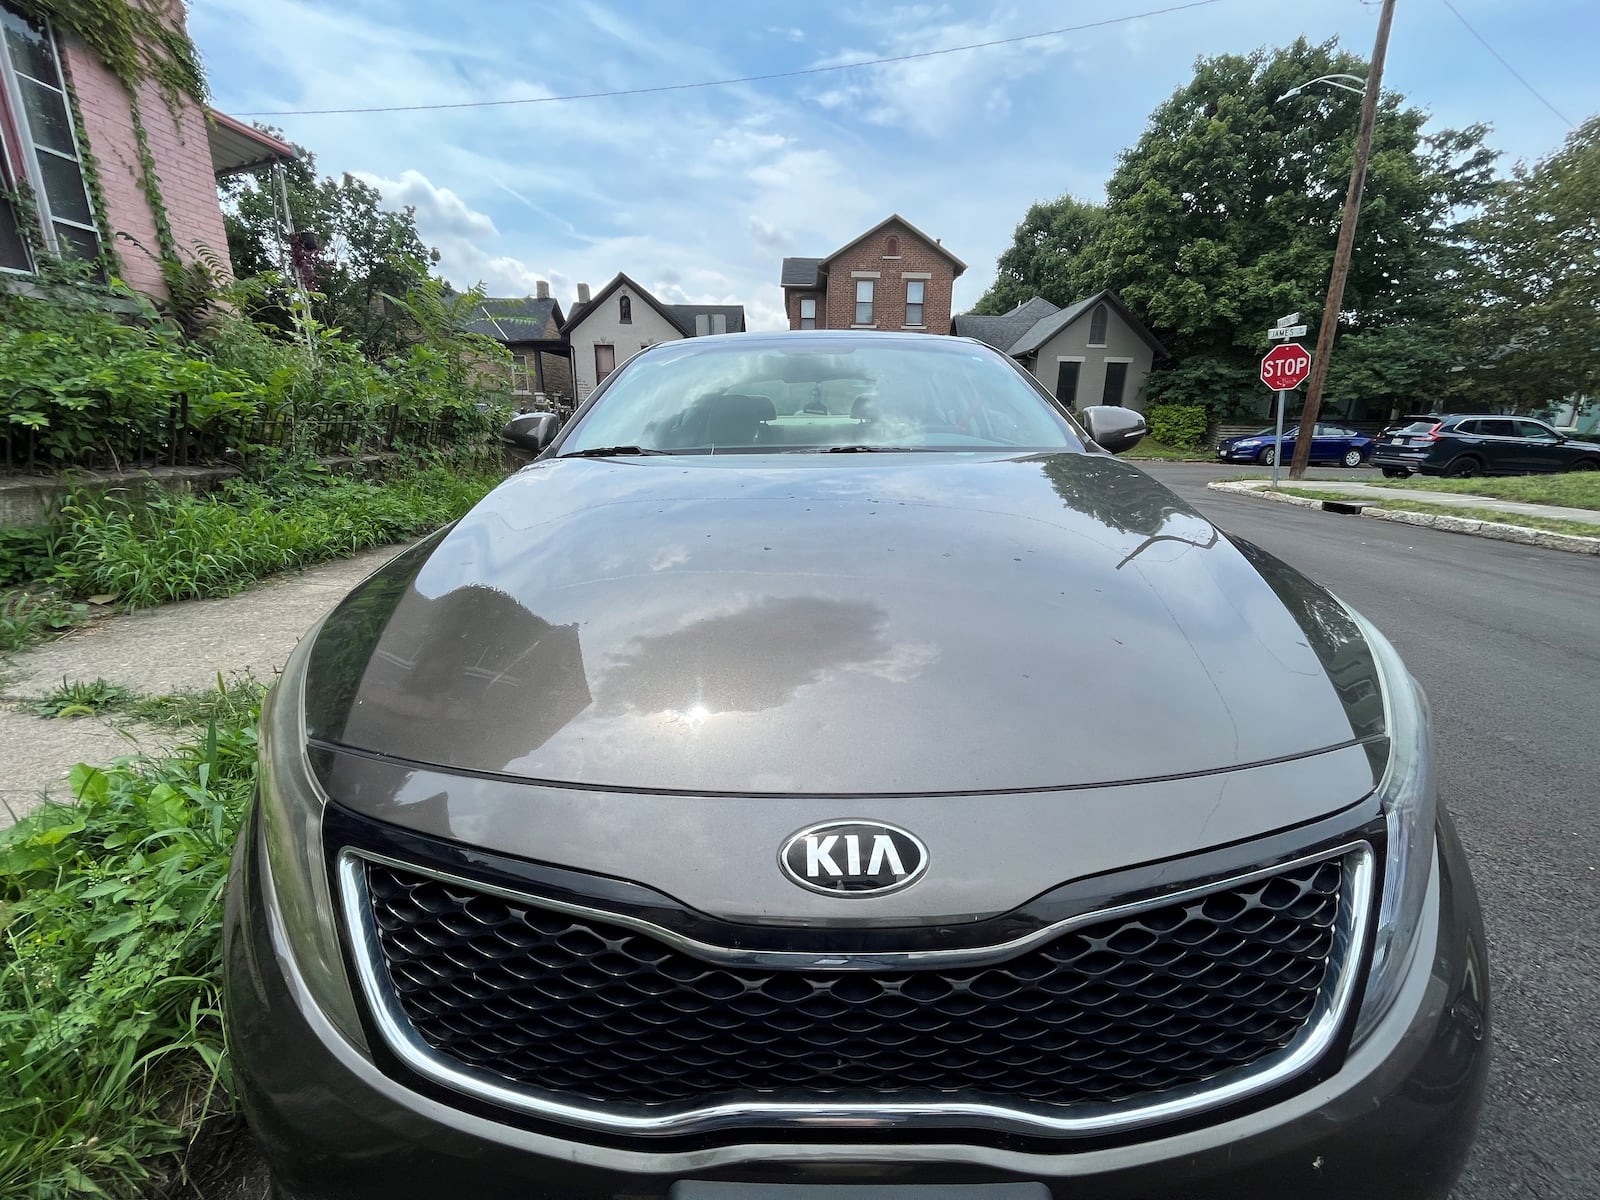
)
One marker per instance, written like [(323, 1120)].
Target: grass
[(1542, 523), (226, 704), (28, 617), (1152, 449), (1575, 489), (185, 547), (110, 1034)]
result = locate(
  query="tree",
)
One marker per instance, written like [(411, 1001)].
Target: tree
[(349, 250), (1224, 215), (1535, 284), (1046, 257)]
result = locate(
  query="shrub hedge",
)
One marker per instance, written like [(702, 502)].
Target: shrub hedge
[(1181, 426)]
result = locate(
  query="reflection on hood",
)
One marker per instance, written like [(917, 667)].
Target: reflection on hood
[(751, 659)]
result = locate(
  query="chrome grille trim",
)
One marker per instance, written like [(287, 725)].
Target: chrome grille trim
[(1316, 1035)]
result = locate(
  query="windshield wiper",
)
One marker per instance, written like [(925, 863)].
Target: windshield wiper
[(611, 452), (862, 448)]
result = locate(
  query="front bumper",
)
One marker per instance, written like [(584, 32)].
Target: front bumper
[(1396, 1120), (1239, 453)]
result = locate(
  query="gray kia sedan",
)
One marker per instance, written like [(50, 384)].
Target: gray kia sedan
[(826, 771)]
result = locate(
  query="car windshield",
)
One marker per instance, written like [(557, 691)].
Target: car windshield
[(815, 393), (1419, 426)]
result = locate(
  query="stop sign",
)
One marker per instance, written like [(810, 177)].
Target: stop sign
[(1285, 367)]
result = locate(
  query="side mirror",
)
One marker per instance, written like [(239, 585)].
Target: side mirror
[(531, 432), (1114, 429)]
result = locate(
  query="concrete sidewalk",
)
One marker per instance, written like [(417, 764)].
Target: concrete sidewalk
[(177, 647), (1367, 491), (1366, 500)]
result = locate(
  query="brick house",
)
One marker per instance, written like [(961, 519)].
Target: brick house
[(1096, 351), (53, 153), (530, 328), (623, 318), (893, 276)]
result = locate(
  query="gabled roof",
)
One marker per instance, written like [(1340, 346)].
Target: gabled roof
[(733, 315), (679, 316), (1053, 324), (799, 272), (518, 319), (1003, 330), (892, 219)]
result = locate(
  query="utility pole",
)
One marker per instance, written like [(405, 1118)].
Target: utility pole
[(1341, 253)]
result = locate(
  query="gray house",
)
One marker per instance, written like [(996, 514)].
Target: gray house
[(1092, 352)]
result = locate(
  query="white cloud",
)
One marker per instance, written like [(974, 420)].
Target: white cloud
[(700, 193)]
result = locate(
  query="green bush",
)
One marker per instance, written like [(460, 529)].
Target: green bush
[(110, 1032), (1181, 426), (180, 547), (81, 384), (24, 554)]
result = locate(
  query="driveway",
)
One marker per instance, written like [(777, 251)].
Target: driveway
[(1504, 639)]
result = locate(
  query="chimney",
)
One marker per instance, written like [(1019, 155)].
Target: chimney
[(541, 290), (583, 293)]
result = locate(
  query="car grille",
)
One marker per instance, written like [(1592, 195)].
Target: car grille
[(591, 1012)]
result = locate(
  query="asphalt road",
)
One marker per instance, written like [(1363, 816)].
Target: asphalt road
[(1506, 641)]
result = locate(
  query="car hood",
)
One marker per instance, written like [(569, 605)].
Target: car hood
[(838, 625)]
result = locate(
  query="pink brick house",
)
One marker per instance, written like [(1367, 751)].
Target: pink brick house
[(55, 154)]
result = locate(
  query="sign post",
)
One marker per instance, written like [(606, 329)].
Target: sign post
[(1284, 368)]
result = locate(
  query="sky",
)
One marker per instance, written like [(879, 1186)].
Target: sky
[(699, 194)]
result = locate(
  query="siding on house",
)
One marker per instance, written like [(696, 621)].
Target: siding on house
[(601, 325), (188, 186), (1073, 342)]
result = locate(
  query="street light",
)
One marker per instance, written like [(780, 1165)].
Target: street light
[(1331, 81)]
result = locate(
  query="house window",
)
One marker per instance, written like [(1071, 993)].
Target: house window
[(808, 313), (625, 310), (915, 290), (1097, 325), (605, 362), (864, 301), (1116, 383), (891, 247), (1067, 383), (519, 374), (33, 107)]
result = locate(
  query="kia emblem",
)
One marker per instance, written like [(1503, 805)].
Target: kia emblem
[(853, 858)]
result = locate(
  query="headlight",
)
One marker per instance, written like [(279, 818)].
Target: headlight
[(1410, 807), (291, 820)]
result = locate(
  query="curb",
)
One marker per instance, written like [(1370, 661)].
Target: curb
[(1495, 530)]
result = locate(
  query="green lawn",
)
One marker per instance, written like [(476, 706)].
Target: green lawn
[(1544, 524), (1576, 489), (1153, 449)]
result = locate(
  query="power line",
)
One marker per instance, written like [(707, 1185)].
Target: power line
[(1515, 74), (710, 83)]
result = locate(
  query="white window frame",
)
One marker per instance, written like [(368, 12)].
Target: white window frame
[(920, 304), (871, 288), (519, 375), (1101, 309), (811, 316), (30, 149)]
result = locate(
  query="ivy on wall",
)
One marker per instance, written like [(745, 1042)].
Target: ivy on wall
[(110, 261), (135, 39), (139, 42)]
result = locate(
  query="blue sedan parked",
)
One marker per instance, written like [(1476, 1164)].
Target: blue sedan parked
[(1329, 443)]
